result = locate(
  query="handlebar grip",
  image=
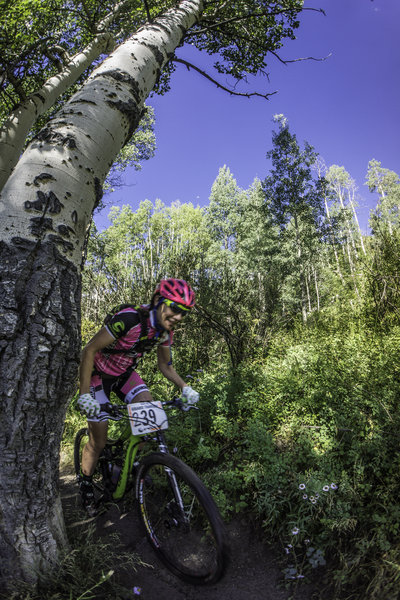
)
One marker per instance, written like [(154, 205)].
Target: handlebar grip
[(110, 409)]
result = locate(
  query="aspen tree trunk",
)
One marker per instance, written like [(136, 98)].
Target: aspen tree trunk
[(350, 233), (332, 236), (382, 194), (348, 248), (321, 169), (307, 279), (16, 127), (316, 288), (303, 283), (350, 195), (45, 209)]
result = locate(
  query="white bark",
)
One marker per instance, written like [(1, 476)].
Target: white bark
[(350, 195), (16, 127), (58, 180)]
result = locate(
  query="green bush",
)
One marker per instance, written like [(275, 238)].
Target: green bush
[(306, 440)]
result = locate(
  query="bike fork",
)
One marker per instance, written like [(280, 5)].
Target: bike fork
[(172, 479)]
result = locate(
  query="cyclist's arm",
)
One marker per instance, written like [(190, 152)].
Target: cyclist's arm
[(102, 339), (163, 357)]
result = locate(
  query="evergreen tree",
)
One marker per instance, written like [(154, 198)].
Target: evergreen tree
[(295, 200)]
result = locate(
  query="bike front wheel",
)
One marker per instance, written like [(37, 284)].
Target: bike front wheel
[(181, 519)]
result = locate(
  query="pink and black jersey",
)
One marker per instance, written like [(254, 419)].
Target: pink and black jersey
[(126, 326)]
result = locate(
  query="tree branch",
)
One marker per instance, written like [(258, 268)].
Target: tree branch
[(106, 22), (293, 60), (89, 19), (248, 16), (147, 10), (16, 85), (219, 85)]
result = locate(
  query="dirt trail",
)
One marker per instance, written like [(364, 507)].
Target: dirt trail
[(252, 575)]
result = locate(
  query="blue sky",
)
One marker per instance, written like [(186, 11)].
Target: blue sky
[(347, 107)]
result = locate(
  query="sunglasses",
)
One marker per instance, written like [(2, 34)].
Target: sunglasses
[(177, 308)]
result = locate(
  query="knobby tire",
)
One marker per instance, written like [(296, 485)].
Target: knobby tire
[(191, 543)]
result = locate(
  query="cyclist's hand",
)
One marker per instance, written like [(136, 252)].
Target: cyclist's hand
[(190, 395), (88, 405)]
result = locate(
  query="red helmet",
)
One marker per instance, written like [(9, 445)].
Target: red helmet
[(176, 290)]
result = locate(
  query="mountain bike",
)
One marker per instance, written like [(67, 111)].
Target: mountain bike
[(180, 518)]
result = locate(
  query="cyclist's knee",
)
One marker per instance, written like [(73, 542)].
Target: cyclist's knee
[(96, 446), (144, 396), (97, 437)]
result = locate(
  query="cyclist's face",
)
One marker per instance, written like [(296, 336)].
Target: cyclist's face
[(168, 318)]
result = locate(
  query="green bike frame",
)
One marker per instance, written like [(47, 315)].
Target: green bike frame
[(129, 459)]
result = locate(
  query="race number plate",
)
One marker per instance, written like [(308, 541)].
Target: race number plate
[(147, 417)]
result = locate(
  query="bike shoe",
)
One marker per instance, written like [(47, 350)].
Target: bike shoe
[(87, 497)]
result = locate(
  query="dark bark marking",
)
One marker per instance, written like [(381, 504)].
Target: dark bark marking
[(157, 53), (98, 190), (56, 239), (43, 178), (54, 137), (21, 243), (37, 95), (83, 101), (39, 225), (157, 28), (45, 203), (65, 230), (132, 113), (74, 216), (126, 79), (183, 30)]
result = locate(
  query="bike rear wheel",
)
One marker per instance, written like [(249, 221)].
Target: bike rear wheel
[(184, 528)]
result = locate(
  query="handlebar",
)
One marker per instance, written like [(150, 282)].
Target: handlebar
[(114, 410)]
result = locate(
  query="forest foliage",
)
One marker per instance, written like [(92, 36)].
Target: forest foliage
[(294, 344), (294, 347)]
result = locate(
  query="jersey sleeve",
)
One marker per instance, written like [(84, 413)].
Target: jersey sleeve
[(122, 322)]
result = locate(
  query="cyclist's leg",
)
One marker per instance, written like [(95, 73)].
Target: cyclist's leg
[(97, 428), (96, 443), (132, 389)]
